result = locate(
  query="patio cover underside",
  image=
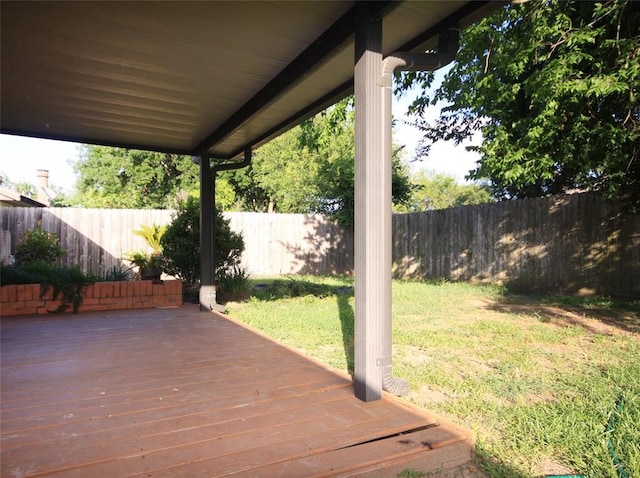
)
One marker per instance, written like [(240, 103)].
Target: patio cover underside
[(190, 77)]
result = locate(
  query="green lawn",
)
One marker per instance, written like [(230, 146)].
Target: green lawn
[(550, 385)]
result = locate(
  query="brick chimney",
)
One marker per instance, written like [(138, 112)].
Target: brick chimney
[(43, 186)]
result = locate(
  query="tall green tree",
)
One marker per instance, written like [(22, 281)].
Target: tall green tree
[(432, 190), (281, 177), (26, 189), (122, 178), (126, 178), (553, 86), (311, 169)]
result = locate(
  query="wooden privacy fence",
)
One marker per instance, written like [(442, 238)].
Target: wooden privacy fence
[(97, 239), (293, 244), (94, 239), (574, 244)]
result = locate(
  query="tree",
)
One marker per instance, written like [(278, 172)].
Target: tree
[(554, 88), (281, 177), (122, 178), (311, 169), (181, 244), (433, 190), (26, 189)]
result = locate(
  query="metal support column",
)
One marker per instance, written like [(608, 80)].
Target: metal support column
[(372, 211), (208, 227), (207, 238)]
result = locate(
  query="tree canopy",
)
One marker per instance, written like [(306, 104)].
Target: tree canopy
[(433, 190), (123, 178), (553, 87), (311, 169)]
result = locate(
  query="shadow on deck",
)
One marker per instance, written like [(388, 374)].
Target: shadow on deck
[(177, 392)]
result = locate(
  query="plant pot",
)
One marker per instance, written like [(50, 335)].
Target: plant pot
[(150, 273)]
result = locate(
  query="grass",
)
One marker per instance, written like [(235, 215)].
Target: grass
[(550, 385)]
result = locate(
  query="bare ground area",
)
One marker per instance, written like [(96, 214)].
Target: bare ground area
[(600, 321)]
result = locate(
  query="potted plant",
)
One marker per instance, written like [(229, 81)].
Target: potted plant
[(149, 263)]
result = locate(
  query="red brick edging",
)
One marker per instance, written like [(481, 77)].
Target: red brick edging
[(25, 299)]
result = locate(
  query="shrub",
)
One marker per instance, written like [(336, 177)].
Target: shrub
[(118, 274), (233, 285), (181, 244), (152, 235), (68, 281), (38, 245), (150, 265)]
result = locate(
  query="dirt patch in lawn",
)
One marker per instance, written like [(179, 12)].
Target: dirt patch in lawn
[(597, 321), (549, 467)]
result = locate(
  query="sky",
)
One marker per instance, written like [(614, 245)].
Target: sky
[(20, 157)]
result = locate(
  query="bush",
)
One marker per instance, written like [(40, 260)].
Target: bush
[(181, 245), (37, 245), (150, 265), (68, 281), (118, 274), (233, 285)]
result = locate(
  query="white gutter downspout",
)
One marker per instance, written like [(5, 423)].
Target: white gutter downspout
[(447, 48)]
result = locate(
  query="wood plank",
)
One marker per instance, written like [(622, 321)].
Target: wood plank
[(184, 393), (228, 454), (163, 417), (193, 440), (373, 457)]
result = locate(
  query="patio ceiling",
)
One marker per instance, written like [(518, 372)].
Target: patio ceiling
[(190, 77)]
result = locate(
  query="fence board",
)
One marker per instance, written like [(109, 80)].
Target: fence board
[(575, 243)]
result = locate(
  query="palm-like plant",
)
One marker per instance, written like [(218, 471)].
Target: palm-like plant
[(152, 234), (149, 264)]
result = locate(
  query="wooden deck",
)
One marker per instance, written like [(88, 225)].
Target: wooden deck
[(177, 392)]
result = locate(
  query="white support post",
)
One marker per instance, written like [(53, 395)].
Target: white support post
[(372, 211)]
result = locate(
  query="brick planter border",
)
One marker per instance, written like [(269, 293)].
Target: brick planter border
[(26, 300)]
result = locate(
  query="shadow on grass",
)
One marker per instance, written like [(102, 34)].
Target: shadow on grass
[(623, 315), (290, 288), (347, 321), (494, 468)]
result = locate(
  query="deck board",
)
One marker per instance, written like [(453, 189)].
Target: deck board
[(178, 392)]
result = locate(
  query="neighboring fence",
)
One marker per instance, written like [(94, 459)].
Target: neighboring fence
[(573, 244)]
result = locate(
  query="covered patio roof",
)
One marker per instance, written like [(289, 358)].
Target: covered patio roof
[(190, 77)]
